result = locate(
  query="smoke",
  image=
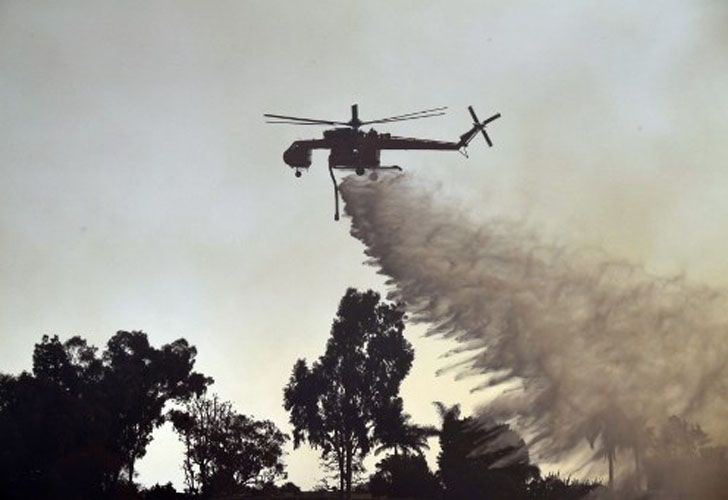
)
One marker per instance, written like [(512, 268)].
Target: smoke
[(587, 346)]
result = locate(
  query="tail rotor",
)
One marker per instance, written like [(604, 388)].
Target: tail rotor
[(481, 125)]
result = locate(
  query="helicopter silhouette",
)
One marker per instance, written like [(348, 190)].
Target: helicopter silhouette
[(357, 150)]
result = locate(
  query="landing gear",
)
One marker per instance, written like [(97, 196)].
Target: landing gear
[(298, 173), (359, 170)]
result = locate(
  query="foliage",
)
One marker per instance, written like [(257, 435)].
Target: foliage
[(481, 459), (334, 404), (226, 452), (162, 492), (404, 476), (139, 379), (679, 438), (681, 464), (552, 487), (610, 431), (289, 488), (72, 426), (396, 432)]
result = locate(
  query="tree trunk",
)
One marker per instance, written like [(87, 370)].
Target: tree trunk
[(131, 470), (188, 466), (610, 457), (348, 472), (342, 473), (638, 467)]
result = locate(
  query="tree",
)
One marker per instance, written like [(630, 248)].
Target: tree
[(404, 476), (609, 431), (73, 425), (226, 452), (396, 432), (162, 492), (482, 459), (138, 382), (53, 443), (679, 438), (681, 464), (334, 404), (53, 429), (289, 488)]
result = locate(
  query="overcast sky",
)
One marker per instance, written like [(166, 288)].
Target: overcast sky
[(140, 188)]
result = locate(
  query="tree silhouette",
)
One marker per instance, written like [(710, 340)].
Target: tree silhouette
[(679, 438), (404, 476), (639, 437), (138, 381), (226, 452), (72, 426), (162, 492), (334, 404), (396, 432), (681, 464), (53, 446), (609, 431), (552, 487), (482, 459)]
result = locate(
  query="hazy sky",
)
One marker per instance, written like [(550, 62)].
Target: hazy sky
[(140, 188)]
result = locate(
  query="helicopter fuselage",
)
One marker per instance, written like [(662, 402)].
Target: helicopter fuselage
[(348, 147)]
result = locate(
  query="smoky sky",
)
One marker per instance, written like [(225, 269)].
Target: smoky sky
[(140, 189)]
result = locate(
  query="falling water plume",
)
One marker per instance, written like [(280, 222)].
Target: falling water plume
[(596, 346)]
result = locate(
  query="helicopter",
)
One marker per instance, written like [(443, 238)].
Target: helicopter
[(354, 149)]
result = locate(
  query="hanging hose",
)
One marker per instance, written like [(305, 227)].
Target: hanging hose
[(336, 192)]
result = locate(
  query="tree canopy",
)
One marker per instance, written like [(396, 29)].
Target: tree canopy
[(396, 432), (482, 459), (334, 403), (404, 476), (227, 452), (78, 420)]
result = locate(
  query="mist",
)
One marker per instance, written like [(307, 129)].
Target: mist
[(576, 345)]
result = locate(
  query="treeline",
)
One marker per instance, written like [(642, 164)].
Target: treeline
[(75, 426)]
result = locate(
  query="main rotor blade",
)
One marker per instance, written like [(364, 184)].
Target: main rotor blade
[(407, 114), (307, 120), (394, 120), (297, 123)]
